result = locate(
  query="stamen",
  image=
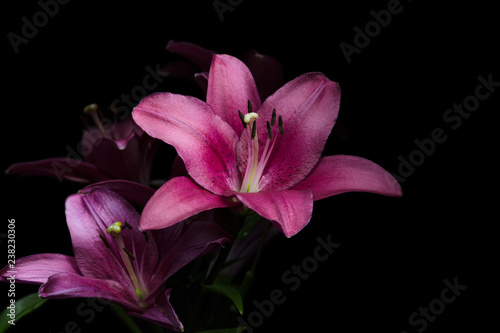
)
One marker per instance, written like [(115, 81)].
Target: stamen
[(273, 117), (116, 229), (269, 131), (92, 110), (128, 225), (131, 256), (104, 240), (242, 119), (250, 108), (146, 236), (254, 129), (280, 125)]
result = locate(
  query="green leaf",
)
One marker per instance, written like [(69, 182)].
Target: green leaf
[(227, 289), (225, 330), (23, 306)]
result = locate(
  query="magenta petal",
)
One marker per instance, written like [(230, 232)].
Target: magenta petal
[(162, 313), (342, 173), (267, 72), (202, 139), (230, 87), (62, 168), (133, 192), (69, 285), (309, 106), (197, 54), (290, 211), (176, 200), (88, 217), (199, 238), (38, 268)]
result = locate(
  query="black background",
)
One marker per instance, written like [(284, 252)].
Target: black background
[(394, 253)]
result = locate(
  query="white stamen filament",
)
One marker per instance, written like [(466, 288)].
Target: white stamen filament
[(255, 168)]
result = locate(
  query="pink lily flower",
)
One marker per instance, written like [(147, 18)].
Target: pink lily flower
[(268, 158), (115, 260)]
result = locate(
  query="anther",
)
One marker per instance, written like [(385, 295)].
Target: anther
[(242, 119), (128, 225), (104, 240), (128, 253), (273, 117), (146, 236), (280, 125), (269, 131), (254, 129), (250, 108)]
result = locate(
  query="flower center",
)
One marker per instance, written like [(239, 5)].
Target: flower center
[(255, 166), (115, 230)]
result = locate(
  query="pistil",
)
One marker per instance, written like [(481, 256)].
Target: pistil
[(91, 110), (255, 168), (115, 229)]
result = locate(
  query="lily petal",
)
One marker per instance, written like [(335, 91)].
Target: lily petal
[(230, 87), (200, 56), (290, 211), (202, 139), (178, 199), (60, 168), (309, 106), (131, 191), (267, 72), (69, 285), (38, 268), (342, 173), (162, 313), (88, 217), (199, 238)]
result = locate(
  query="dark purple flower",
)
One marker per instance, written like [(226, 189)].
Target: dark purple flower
[(118, 150), (115, 260)]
